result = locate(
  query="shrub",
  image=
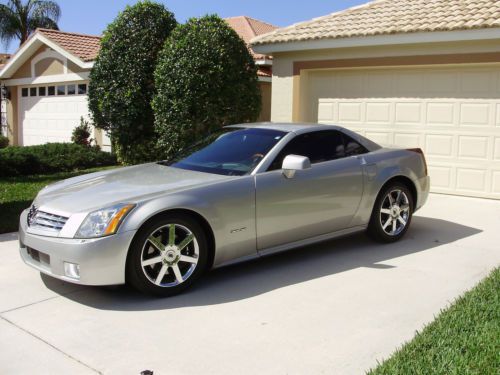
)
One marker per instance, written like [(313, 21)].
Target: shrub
[(4, 141), (205, 78), (51, 158), (81, 134), (121, 81)]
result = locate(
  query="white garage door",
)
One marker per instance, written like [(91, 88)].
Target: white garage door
[(50, 113), (452, 113)]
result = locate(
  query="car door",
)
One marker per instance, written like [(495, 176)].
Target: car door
[(315, 201)]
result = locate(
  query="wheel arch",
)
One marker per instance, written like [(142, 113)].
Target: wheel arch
[(193, 214), (403, 180)]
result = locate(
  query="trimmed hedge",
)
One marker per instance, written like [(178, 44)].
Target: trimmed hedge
[(4, 141), (51, 158), (206, 78), (121, 81)]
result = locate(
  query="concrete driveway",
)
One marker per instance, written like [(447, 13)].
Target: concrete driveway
[(334, 308)]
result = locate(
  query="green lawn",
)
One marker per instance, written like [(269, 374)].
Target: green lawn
[(463, 339), (17, 193)]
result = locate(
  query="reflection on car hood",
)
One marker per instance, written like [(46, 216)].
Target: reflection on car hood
[(130, 184)]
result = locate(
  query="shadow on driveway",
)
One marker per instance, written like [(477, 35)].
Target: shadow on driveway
[(262, 275)]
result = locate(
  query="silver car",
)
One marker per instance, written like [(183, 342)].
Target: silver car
[(245, 192)]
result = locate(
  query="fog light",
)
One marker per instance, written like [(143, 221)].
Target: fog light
[(72, 270)]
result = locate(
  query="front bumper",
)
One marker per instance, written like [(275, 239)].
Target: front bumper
[(101, 261)]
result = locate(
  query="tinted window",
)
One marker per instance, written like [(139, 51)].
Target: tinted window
[(41, 91), (317, 146), (32, 91), (61, 90), (234, 153), (51, 90), (352, 147), (24, 92)]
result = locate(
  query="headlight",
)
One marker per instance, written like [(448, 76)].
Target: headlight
[(103, 222)]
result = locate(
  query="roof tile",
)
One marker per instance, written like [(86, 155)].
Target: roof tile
[(389, 17), (85, 47), (248, 28)]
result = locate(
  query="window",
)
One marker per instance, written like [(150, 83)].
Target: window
[(71, 89), (82, 89), (232, 153), (352, 147), (61, 90), (42, 91), (317, 146), (32, 91), (24, 92), (51, 90)]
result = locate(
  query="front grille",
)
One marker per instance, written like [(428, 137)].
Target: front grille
[(45, 220)]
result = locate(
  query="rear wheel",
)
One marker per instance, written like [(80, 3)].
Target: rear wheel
[(167, 256), (392, 213)]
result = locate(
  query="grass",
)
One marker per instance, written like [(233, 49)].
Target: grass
[(17, 193), (463, 339)]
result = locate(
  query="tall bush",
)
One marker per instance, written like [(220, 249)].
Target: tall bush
[(121, 81), (205, 78)]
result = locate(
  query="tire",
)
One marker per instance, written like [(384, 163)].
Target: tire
[(163, 261), (391, 219)]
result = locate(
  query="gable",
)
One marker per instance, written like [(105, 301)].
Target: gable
[(41, 56)]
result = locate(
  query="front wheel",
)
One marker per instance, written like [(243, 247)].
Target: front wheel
[(391, 214), (167, 256)]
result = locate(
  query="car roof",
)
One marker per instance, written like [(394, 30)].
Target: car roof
[(302, 128), (297, 128)]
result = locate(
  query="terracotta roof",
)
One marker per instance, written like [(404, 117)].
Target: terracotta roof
[(86, 47), (390, 17), (248, 28), (265, 71)]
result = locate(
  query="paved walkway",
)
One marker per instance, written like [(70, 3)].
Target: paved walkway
[(334, 308)]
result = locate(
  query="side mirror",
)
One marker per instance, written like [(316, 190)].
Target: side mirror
[(293, 163)]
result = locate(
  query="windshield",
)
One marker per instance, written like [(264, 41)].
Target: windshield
[(233, 153)]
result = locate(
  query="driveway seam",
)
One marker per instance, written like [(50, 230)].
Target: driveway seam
[(51, 345), (41, 301)]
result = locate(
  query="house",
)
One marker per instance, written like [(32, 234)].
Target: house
[(47, 83), (249, 28), (414, 73)]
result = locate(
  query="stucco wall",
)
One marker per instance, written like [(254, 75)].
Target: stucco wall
[(265, 92), (284, 82), (12, 116)]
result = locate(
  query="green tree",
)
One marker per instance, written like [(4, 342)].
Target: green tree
[(121, 81), (19, 19), (205, 78)]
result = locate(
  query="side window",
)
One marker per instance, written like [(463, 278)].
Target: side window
[(317, 146), (352, 147)]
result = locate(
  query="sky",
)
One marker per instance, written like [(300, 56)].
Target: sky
[(92, 16)]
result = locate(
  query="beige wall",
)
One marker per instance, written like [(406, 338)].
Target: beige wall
[(290, 92), (265, 92), (25, 70), (49, 67), (12, 116)]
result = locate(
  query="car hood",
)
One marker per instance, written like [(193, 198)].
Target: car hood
[(122, 185)]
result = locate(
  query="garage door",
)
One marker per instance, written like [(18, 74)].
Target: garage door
[(50, 113), (452, 113)]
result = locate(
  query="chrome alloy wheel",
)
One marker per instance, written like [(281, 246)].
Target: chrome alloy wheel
[(394, 212), (170, 255)]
